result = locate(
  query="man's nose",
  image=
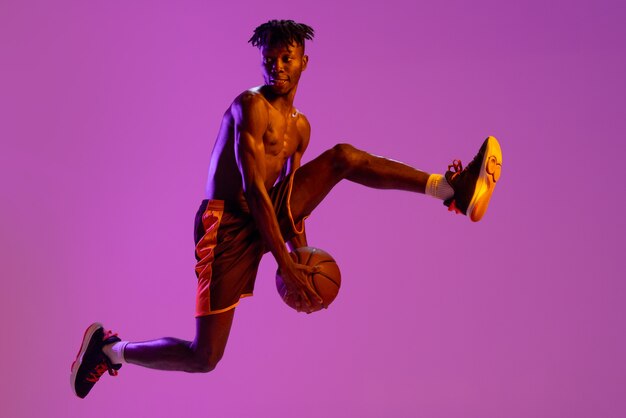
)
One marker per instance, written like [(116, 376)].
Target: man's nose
[(278, 65)]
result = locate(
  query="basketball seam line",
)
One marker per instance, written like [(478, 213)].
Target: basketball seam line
[(309, 259), (328, 277)]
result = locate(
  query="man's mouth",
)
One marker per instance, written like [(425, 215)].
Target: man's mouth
[(278, 81)]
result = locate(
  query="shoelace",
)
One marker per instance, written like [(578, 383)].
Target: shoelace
[(109, 334), (457, 165)]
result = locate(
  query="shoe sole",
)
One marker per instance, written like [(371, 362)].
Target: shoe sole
[(491, 168), (81, 352)]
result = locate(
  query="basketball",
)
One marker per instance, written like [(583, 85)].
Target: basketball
[(326, 281)]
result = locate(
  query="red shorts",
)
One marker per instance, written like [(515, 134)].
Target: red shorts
[(229, 248)]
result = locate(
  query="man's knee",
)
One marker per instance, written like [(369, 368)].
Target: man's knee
[(346, 157), (206, 362)]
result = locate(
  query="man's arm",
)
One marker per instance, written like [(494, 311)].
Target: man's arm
[(304, 128), (251, 121)]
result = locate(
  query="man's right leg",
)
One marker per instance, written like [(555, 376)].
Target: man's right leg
[(469, 189), (315, 179)]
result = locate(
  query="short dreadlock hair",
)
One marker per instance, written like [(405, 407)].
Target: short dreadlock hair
[(280, 33)]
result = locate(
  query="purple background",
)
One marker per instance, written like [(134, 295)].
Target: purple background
[(108, 112)]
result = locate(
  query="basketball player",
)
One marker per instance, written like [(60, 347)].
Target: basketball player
[(257, 198)]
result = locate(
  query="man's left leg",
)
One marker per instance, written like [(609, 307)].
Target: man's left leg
[(98, 354)]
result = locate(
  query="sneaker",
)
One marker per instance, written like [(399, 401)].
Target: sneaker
[(91, 362), (474, 184)]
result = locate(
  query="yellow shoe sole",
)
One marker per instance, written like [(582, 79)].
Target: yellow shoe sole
[(491, 168)]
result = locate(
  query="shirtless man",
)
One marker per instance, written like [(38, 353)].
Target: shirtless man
[(257, 198)]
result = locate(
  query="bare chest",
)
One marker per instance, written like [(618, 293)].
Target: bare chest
[(282, 138)]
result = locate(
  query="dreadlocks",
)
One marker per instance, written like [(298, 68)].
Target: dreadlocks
[(281, 33)]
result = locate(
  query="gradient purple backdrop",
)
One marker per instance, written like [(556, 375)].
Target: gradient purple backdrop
[(108, 113)]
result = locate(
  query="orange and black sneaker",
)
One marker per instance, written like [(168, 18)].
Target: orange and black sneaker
[(474, 184), (91, 362)]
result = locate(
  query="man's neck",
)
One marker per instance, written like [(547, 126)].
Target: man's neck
[(282, 103)]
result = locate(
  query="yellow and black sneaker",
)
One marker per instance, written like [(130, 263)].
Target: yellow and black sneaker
[(474, 184), (91, 362)]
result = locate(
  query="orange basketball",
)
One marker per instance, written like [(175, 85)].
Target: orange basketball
[(326, 281)]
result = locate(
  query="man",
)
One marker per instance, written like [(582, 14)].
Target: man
[(257, 199)]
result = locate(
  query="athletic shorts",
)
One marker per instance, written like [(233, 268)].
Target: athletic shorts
[(229, 248)]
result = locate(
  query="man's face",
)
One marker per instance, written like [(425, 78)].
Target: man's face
[(282, 67)]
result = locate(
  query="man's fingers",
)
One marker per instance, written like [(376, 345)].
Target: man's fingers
[(305, 298), (308, 302), (314, 295), (313, 269), (309, 269)]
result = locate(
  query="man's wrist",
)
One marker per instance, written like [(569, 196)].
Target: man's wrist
[(283, 259)]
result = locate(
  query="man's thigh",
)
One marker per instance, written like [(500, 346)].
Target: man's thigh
[(311, 184)]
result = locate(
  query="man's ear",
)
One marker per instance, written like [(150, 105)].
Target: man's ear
[(305, 61)]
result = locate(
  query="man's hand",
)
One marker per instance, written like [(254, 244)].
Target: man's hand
[(299, 287)]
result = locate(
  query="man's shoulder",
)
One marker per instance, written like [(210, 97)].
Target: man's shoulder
[(302, 122), (250, 97), (249, 105)]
